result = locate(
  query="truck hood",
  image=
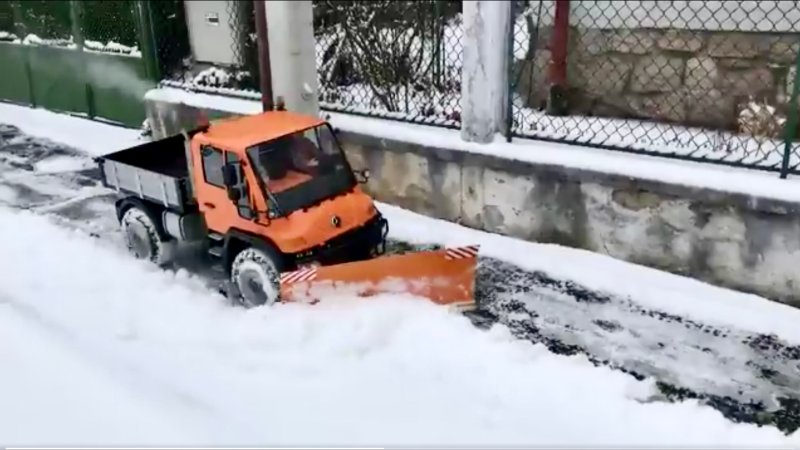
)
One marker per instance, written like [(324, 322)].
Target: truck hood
[(304, 229)]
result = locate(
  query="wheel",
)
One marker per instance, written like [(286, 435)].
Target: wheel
[(255, 274), (141, 237)]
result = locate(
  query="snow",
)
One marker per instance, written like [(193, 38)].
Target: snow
[(394, 370), (112, 47), (203, 100), (684, 173), (34, 394), (651, 288), (664, 138), (92, 137)]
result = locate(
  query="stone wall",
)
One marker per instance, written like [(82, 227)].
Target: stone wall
[(701, 78)]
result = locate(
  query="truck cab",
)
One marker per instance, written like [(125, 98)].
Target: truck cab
[(282, 177)]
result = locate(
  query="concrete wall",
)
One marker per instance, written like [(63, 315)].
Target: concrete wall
[(743, 242)]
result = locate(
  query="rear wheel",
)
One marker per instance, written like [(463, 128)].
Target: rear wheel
[(256, 276), (141, 237)]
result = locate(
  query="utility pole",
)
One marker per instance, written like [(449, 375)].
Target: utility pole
[(264, 63)]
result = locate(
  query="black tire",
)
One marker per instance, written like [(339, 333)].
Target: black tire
[(142, 239), (255, 274)]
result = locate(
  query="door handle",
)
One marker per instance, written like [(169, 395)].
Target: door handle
[(209, 205)]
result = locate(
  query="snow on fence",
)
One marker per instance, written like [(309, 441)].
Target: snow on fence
[(707, 80)]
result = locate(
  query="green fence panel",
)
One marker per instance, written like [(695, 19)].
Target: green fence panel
[(58, 79), (14, 85), (118, 84)]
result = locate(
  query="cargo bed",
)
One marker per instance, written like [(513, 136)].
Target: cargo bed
[(157, 171)]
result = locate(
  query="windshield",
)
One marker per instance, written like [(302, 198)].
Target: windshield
[(301, 169)]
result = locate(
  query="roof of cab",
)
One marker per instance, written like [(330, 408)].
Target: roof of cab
[(243, 132)]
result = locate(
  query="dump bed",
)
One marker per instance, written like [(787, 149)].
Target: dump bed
[(157, 171)]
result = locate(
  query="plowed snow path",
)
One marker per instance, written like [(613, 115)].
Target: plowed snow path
[(392, 371)]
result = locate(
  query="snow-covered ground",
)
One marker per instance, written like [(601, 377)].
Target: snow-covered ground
[(363, 373), (104, 342)]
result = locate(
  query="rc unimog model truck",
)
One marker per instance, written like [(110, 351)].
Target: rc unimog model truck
[(275, 202)]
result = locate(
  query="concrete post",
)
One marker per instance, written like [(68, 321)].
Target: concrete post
[(293, 62), (484, 78)]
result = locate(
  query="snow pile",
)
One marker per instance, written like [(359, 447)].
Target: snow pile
[(394, 370)]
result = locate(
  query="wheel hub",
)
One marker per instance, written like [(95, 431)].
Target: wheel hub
[(252, 288), (137, 242)]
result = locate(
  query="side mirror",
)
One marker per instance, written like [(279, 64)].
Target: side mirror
[(230, 175), (362, 176)]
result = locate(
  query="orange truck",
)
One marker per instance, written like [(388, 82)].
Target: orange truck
[(275, 202)]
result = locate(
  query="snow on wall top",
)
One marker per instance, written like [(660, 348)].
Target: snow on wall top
[(713, 15)]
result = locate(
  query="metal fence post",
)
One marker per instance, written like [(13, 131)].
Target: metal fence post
[(791, 123), (26, 55), (76, 17), (510, 69), (147, 40)]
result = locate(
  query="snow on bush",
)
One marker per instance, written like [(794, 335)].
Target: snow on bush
[(395, 370), (112, 47), (5, 36), (761, 119)]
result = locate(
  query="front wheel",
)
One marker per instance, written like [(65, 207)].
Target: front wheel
[(255, 275)]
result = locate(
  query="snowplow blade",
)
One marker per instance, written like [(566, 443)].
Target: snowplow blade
[(446, 277)]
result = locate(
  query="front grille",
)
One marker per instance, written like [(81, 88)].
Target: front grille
[(352, 245)]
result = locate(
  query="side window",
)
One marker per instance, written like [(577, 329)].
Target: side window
[(243, 205), (212, 166)]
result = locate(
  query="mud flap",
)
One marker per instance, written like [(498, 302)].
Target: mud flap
[(445, 277)]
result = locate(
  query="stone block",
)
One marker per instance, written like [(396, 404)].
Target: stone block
[(784, 50), (681, 41), (710, 108), (751, 82), (670, 106), (637, 42), (604, 75), (590, 42), (657, 73), (736, 45), (532, 84), (701, 73)]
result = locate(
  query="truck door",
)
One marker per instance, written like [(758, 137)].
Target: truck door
[(219, 211)]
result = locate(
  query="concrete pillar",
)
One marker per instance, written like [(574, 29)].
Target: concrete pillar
[(290, 29), (484, 78)]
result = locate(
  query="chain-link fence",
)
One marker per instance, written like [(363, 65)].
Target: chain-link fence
[(391, 59), (223, 37), (708, 81)]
